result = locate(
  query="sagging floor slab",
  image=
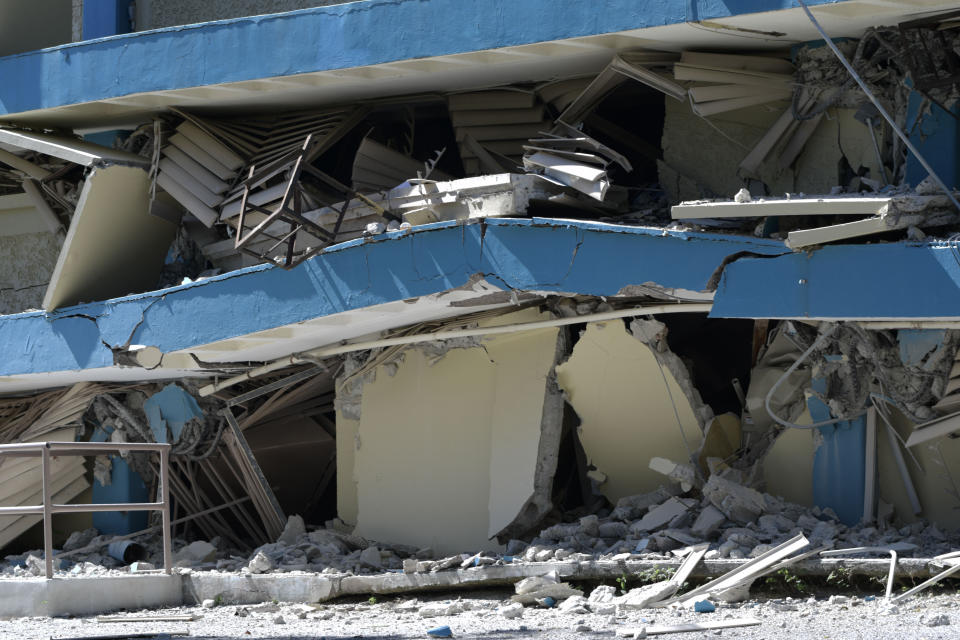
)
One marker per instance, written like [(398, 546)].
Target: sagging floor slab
[(92, 595)]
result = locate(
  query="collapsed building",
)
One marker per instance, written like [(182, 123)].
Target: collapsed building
[(603, 283)]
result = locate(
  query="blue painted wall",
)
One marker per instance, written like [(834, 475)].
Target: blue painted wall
[(845, 281), (936, 135), (103, 18), (839, 462), (528, 254), (126, 485), (334, 37)]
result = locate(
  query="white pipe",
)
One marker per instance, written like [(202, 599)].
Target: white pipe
[(332, 350), (902, 466)]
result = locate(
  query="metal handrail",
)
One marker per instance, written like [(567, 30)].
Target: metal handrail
[(47, 449)]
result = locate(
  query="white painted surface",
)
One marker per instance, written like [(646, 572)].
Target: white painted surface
[(457, 464), (615, 385)]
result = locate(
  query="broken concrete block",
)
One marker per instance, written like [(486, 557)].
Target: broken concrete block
[(530, 590), (646, 596), (630, 508), (371, 557), (543, 556), (603, 593), (437, 609), (683, 474), (590, 525), (660, 516), (575, 605), (511, 611), (199, 551), (261, 563), (555, 533), (79, 539), (292, 530), (410, 565), (737, 502), (708, 522), (617, 530)]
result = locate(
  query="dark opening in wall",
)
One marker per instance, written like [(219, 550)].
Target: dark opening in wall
[(715, 350)]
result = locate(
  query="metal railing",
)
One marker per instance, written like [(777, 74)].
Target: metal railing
[(46, 450)]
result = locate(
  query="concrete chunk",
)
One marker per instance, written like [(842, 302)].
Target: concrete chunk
[(708, 522), (660, 516), (739, 503)]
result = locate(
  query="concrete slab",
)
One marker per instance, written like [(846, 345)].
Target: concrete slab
[(87, 595), (103, 594)]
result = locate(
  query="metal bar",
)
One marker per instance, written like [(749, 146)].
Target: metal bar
[(883, 112), (255, 466), (218, 483), (165, 514), (932, 581), (116, 506), (273, 386), (36, 510), (47, 513)]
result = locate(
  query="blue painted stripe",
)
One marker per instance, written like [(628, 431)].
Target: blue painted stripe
[(886, 280), (325, 38), (537, 254)]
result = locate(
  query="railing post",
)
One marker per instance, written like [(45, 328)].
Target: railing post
[(47, 514), (165, 511)]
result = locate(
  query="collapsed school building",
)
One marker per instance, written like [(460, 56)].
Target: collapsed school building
[(539, 280)]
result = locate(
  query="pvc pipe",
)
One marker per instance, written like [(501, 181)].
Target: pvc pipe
[(323, 352), (902, 466), (793, 367)]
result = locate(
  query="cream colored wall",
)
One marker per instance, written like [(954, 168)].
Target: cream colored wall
[(346, 480), (445, 451), (935, 481), (788, 466), (615, 385), (521, 364)]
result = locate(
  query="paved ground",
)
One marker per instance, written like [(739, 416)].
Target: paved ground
[(803, 618)]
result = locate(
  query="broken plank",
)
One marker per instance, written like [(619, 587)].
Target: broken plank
[(704, 109), (746, 572), (937, 428), (784, 124), (183, 177), (190, 202), (210, 163), (792, 207), (124, 636), (173, 617), (762, 64), (728, 91), (219, 151), (70, 149), (721, 75), (801, 134), (658, 630), (865, 227), (197, 170)]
